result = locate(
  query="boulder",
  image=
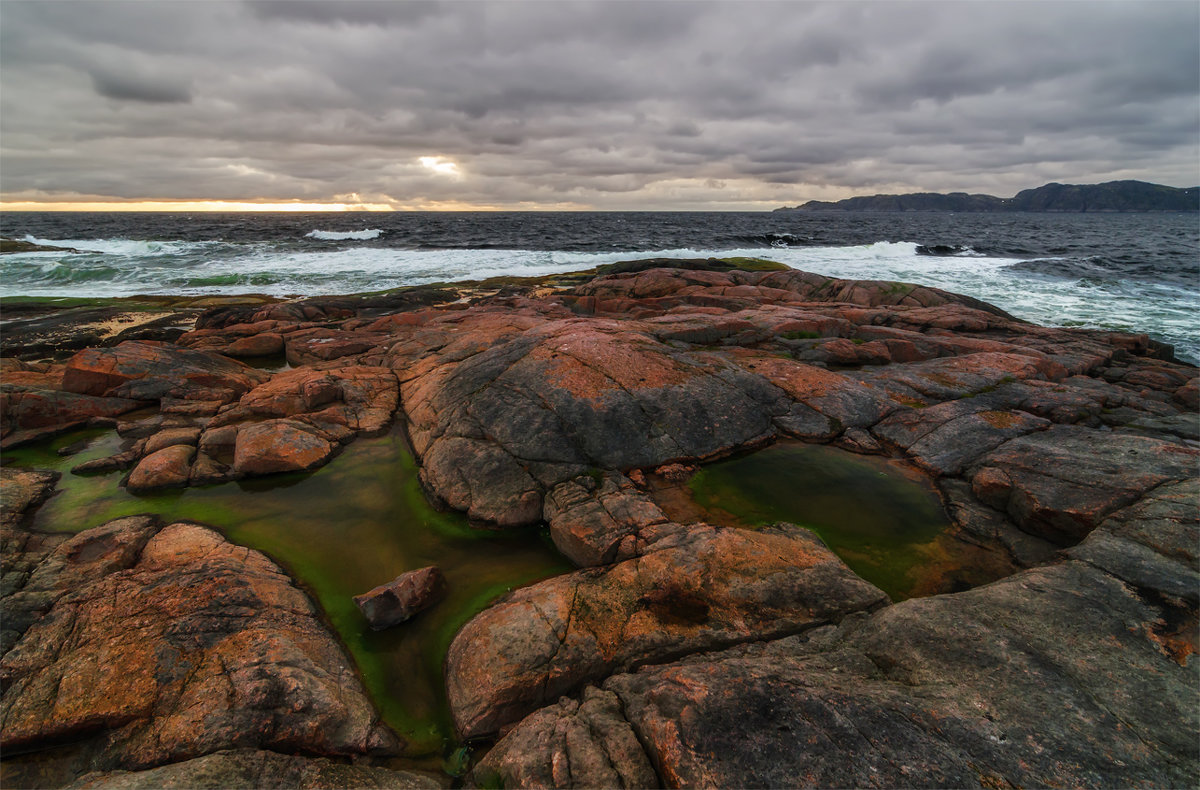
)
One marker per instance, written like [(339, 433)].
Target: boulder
[(169, 643), (22, 489), (356, 398), (148, 370), (279, 446), (170, 437), (122, 460), (165, 468), (597, 522), (262, 345), (692, 589), (573, 743), (28, 414), (1055, 676), (1058, 676), (401, 598), (314, 346)]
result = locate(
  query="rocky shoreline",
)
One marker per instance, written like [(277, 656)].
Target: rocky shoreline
[(155, 653)]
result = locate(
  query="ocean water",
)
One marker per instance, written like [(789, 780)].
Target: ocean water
[(1127, 272)]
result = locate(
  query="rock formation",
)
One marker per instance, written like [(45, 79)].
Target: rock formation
[(170, 643), (678, 654), (402, 598)]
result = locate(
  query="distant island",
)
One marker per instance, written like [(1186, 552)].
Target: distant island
[(1113, 196)]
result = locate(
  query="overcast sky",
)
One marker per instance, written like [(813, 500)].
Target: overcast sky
[(609, 105)]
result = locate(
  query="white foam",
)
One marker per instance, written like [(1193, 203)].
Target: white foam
[(339, 235), (127, 248), (130, 267)]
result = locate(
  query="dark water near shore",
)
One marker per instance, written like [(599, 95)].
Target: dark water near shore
[(1128, 272)]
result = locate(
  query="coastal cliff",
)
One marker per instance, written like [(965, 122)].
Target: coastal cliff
[(1052, 640), (1112, 196)]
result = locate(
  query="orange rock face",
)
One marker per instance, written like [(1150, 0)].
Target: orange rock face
[(260, 345), (29, 414), (165, 468), (149, 370), (279, 446), (693, 589), (177, 644)]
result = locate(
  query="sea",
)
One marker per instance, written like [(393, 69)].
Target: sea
[(1126, 272)]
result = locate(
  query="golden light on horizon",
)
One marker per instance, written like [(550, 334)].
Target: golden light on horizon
[(187, 205), (232, 206)]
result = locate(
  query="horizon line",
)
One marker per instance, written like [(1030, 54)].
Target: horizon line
[(240, 207)]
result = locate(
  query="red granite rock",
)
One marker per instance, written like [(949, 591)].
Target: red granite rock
[(165, 468), (30, 414), (169, 437), (1060, 483), (279, 446), (260, 345), (150, 370), (695, 589), (178, 649)]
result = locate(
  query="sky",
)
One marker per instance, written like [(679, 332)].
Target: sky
[(593, 106)]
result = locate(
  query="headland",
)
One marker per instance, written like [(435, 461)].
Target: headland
[(1109, 197)]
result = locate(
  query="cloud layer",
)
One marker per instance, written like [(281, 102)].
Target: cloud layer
[(607, 105)]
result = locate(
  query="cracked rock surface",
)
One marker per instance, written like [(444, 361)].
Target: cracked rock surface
[(162, 643), (690, 589), (678, 655), (1079, 673)]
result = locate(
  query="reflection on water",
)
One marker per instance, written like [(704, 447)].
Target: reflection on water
[(341, 530), (882, 518)]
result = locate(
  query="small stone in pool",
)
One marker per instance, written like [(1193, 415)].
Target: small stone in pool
[(402, 597)]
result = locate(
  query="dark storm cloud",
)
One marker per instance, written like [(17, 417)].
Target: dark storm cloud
[(123, 84), (350, 13), (637, 105)]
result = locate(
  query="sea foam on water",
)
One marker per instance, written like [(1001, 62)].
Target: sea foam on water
[(1127, 273), (335, 235)]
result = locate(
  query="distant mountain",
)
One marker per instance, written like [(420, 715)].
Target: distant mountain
[(1112, 196)]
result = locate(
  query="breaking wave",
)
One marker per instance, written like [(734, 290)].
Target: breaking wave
[(1125, 273), (344, 235)]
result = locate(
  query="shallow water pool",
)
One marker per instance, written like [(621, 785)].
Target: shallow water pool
[(883, 518), (357, 522)]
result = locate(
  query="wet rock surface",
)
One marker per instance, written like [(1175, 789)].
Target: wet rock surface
[(401, 598), (671, 658), (169, 643)]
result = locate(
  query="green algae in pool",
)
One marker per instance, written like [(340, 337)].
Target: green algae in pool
[(357, 522), (880, 518)]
